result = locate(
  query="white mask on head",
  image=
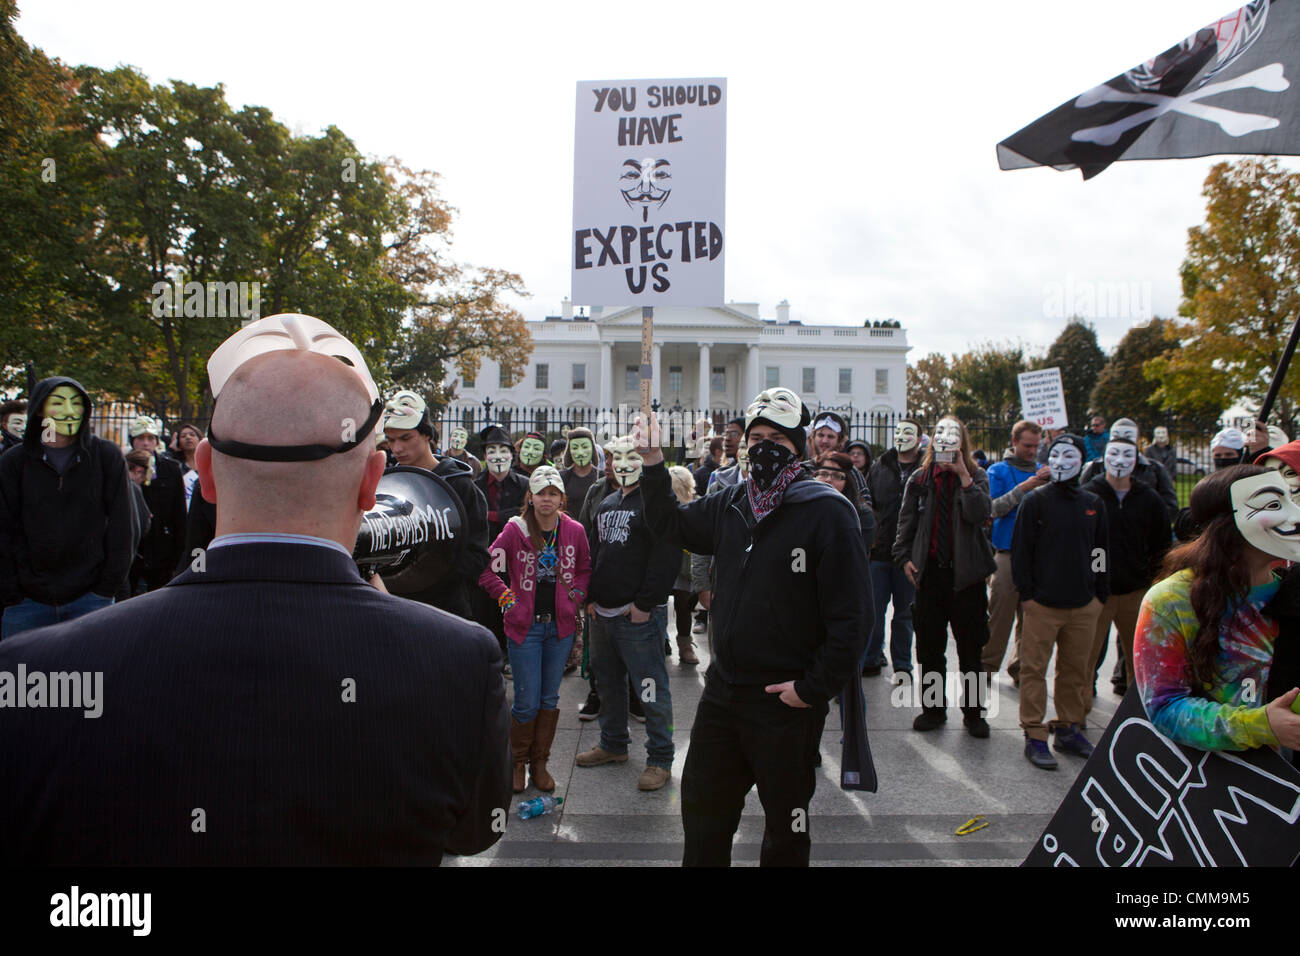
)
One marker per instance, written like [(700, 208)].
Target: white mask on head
[(627, 463), (1161, 435), (1065, 461), (947, 435), (458, 438), (1120, 459), (906, 437), (1128, 432), (498, 458), (1289, 474), (1266, 516), (779, 405)]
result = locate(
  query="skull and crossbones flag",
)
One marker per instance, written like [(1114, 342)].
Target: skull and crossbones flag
[(1227, 88)]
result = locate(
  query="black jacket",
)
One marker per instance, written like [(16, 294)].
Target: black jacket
[(314, 720), (453, 592), (1138, 532), (200, 529), (628, 563), (1060, 537), (165, 495), (513, 488), (788, 602), (63, 536), (972, 551), (885, 486), (1147, 472)]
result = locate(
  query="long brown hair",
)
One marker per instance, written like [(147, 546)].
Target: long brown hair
[(535, 533), (928, 458), (1219, 561)]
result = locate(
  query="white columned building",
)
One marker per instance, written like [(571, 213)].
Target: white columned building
[(717, 358)]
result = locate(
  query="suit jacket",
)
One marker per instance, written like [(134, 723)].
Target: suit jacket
[(270, 709)]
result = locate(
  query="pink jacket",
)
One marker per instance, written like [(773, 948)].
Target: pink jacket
[(520, 562)]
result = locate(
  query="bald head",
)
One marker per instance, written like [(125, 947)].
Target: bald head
[(292, 398)]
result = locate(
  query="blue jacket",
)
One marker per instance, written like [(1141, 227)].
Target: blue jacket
[(1002, 478), (1095, 444)]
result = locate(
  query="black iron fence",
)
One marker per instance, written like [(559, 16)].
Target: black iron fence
[(991, 434)]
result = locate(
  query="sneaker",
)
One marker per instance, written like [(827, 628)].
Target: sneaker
[(699, 628), (1070, 740), (1120, 689), (591, 709), (1036, 753), (652, 778), (930, 720), (596, 757), (976, 726)]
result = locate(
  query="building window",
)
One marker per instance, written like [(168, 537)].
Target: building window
[(674, 378), (772, 377), (504, 380), (810, 380), (467, 379), (543, 375), (632, 378), (882, 381), (846, 381), (579, 376), (503, 417), (719, 381), (539, 420)]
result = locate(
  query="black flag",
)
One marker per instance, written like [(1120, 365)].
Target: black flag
[(1230, 87)]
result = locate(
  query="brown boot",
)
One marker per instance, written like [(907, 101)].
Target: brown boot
[(541, 752), (521, 742), (686, 651)]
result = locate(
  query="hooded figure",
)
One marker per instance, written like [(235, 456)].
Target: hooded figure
[(66, 514)]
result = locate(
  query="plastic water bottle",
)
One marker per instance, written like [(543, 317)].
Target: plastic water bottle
[(538, 806)]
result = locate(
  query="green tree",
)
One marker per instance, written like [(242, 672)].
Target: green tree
[(929, 388), (1241, 294), (985, 382), (1122, 389), (1080, 359)]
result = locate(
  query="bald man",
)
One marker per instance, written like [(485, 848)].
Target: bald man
[(267, 707)]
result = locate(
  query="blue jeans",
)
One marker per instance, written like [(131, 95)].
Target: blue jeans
[(620, 649), (538, 665), (888, 581), (29, 615)]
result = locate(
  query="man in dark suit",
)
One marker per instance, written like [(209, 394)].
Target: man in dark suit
[(267, 707)]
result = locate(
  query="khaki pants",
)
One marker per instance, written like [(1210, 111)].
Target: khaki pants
[(1071, 632), (1004, 608), (1122, 609)]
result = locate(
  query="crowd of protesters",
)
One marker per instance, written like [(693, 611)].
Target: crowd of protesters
[(574, 550)]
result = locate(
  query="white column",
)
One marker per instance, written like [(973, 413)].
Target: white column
[(606, 374), (656, 373), (706, 370), (754, 372)]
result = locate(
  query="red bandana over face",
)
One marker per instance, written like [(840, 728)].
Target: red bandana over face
[(763, 503)]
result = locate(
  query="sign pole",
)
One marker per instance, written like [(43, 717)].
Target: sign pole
[(647, 352), (1280, 373)]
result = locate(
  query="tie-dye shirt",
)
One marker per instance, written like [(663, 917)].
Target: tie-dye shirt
[(1228, 712)]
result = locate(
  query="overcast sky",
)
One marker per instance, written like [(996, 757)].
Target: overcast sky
[(862, 180)]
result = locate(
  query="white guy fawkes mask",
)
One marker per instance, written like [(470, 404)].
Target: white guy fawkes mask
[(1120, 459), (458, 438), (531, 451), (581, 451), (627, 463), (498, 458), (1289, 474), (1266, 516), (742, 459), (17, 424), (906, 437), (1161, 435), (1128, 432), (779, 405), (404, 410), (1065, 461), (947, 435)]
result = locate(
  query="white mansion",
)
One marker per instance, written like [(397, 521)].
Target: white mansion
[(716, 357)]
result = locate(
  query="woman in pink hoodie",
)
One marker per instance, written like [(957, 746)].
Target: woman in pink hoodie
[(544, 554)]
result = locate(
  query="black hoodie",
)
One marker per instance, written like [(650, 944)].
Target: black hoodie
[(62, 536)]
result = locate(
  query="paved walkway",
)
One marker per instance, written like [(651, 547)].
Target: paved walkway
[(930, 784)]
